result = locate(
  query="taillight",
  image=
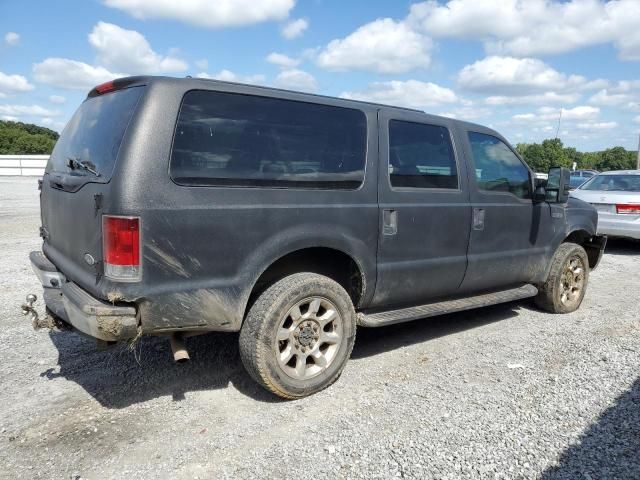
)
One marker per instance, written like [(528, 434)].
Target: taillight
[(121, 247), (105, 87), (628, 208)]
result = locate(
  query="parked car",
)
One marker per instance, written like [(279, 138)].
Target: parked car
[(184, 206), (578, 177), (616, 196)]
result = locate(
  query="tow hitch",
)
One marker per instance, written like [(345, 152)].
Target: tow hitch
[(28, 309)]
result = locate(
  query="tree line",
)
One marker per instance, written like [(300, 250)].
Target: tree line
[(552, 153), (17, 138)]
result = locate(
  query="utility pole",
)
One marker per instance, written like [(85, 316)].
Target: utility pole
[(559, 120), (638, 164)]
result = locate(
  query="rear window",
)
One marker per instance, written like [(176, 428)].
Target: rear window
[(614, 183), (243, 140), (94, 133)]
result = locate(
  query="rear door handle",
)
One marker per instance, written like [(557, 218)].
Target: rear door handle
[(478, 218), (389, 221)]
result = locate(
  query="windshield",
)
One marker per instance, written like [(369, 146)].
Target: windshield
[(614, 183), (93, 136)]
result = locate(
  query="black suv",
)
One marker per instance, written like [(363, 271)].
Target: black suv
[(183, 206)]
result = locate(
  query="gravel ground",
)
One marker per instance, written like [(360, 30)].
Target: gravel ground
[(502, 392)]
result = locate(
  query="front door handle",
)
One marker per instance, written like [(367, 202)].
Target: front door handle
[(478, 218), (389, 222)]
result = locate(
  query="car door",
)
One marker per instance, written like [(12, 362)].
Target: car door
[(425, 215), (507, 242)]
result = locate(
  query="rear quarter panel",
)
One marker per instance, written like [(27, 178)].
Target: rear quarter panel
[(204, 247)]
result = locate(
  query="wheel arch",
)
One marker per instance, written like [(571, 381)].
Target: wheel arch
[(335, 263), (584, 238)]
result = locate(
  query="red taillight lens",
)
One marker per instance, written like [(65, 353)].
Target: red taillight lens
[(628, 208), (121, 247), (105, 87)]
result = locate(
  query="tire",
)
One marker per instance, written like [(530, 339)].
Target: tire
[(567, 281), (298, 335)]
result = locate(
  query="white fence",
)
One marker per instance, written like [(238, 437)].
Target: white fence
[(23, 165)]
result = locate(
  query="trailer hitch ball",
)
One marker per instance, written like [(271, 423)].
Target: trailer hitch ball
[(28, 309)]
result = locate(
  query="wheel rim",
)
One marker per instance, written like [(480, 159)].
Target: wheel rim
[(572, 281), (308, 338)]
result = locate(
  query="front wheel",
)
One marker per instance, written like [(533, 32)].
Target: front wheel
[(567, 281), (298, 335)]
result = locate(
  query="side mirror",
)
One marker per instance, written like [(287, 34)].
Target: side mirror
[(539, 192), (557, 189)]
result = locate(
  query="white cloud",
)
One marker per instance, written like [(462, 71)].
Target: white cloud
[(606, 98), (541, 99), (509, 76), (534, 27), (294, 28), (295, 79), (383, 46), (51, 123), (467, 113), (583, 112), (282, 60), (27, 110), (207, 13), (10, 84), (9, 118), (637, 119), (129, 51), (202, 64), (625, 94), (597, 126), (12, 39), (57, 99), (229, 76), (71, 74), (524, 116), (410, 93), (544, 115)]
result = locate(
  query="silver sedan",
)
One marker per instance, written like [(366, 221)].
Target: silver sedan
[(616, 196)]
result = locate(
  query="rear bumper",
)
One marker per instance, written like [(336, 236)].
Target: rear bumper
[(89, 315)]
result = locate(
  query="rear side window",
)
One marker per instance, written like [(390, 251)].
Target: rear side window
[(498, 169), (421, 156), (94, 133), (242, 140)]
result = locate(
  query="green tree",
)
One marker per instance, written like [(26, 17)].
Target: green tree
[(555, 154), (616, 158), (534, 155), (541, 157), (17, 138)]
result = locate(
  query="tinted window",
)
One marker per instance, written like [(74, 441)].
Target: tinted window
[(232, 139), (421, 156), (94, 133), (498, 169), (616, 183)]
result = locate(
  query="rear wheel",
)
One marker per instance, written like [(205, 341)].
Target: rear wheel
[(567, 281), (298, 335)]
